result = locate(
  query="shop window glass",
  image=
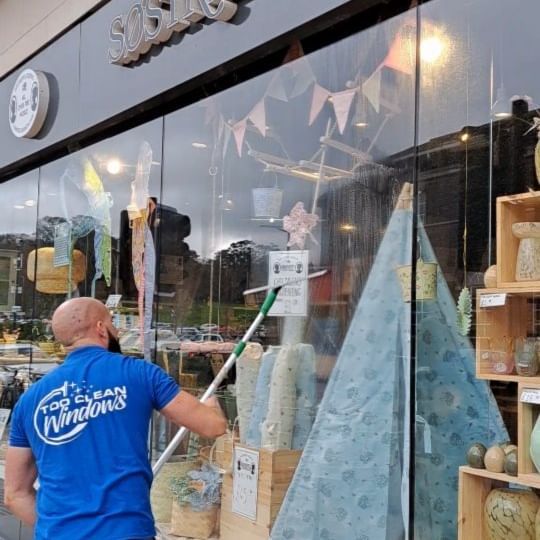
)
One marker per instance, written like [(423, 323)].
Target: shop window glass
[(285, 175), (477, 137), (21, 360)]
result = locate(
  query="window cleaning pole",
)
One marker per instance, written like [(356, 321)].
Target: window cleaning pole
[(220, 377)]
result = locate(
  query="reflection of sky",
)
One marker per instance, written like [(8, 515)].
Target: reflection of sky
[(454, 92), (15, 193)]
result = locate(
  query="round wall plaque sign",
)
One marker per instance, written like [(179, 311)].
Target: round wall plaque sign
[(28, 104)]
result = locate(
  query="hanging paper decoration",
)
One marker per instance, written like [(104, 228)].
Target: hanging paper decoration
[(342, 102), (239, 131), (299, 225), (276, 88), (400, 56), (464, 312), (371, 88), (258, 117), (320, 96), (100, 203), (143, 249)]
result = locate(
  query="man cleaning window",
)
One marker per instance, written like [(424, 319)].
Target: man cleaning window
[(82, 431)]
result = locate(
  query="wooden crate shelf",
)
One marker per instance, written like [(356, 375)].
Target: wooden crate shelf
[(276, 469), (494, 325), (474, 487), (513, 209)]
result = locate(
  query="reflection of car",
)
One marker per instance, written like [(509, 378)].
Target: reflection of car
[(187, 333), (208, 337), (22, 349), (208, 327), (166, 339)]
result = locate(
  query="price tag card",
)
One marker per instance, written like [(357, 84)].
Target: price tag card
[(113, 301), (245, 482), (530, 395), (492, 300)]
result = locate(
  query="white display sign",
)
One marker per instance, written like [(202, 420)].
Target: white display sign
[(245, 482), (62, 245), (113, 301), (4, 417), (285, 266), (530, 395), (492, 300), (28, 104)]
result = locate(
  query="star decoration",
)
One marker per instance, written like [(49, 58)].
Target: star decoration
[(299, 225)]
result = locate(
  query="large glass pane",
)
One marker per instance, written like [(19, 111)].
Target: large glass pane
[(296, 172), (21, 361), (477, 143), (97, 227)]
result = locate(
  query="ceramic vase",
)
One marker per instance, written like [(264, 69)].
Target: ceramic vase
[(528, 259), (534, 448), (510, 514)]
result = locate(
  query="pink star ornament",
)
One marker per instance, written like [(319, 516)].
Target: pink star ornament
[(299, 225)]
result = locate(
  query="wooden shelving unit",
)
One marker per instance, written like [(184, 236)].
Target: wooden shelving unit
[(495, 326)]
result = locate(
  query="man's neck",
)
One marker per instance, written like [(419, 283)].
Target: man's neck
[(85, 342)]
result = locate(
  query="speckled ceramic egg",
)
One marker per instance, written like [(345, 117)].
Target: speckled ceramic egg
[(494, 459), (510, 463), (475, 455), (508, 447), (510, 514), (490, 277)]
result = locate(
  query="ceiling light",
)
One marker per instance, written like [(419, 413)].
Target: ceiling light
[(361, 124), (347, 227), (30, 202), (19, 206), (114, 166), (431, 49), (199, 145), (464, 137)]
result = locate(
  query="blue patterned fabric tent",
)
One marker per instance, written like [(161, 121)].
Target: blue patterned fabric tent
[(352, 480)]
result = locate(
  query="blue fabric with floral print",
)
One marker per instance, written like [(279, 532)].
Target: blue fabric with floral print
[(351, 482)]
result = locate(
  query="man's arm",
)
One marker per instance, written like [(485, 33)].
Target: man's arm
[(205, 419), (19, 492)]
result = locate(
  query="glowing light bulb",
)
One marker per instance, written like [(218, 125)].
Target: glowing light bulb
[(431, 49), (199, 145), (114, 166), (464, 137)]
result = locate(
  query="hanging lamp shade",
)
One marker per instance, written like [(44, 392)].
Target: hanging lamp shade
[(54, 280)]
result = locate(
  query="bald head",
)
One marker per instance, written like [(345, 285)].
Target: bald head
[(80, 319)]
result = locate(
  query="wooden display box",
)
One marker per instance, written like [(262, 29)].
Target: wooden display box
[(527, 415), (276, 469), (513, 320), (474, 487), (513, 209)]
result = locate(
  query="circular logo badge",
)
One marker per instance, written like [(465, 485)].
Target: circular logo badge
[(28, 104)]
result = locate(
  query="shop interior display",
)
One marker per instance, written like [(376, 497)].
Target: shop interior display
[(315, 483), (508, 350), (510, 514)]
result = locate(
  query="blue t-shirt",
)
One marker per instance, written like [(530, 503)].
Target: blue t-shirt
[(87, 424)]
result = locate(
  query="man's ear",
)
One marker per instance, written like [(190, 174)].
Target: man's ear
[(102, 329)]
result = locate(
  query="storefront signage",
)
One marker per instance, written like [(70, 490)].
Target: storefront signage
[(151, 22), (245, 482), (288, 266), (28, 104), (62, 245)]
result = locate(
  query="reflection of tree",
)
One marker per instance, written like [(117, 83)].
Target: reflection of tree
[(242, 265)]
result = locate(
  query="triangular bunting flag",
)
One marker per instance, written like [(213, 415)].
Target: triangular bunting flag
[(372, 89), (258, 117), (399, 57), (320, 95), (276, 88), (239, 131), (342, 102)]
